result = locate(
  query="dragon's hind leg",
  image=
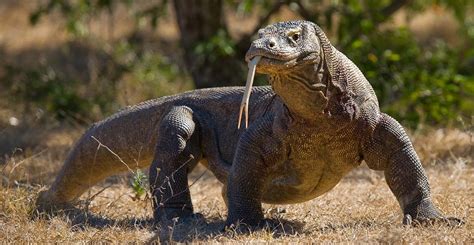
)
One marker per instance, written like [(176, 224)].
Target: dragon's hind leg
[(177, 152)]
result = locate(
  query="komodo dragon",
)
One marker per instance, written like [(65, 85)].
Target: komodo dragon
[(318, 120)]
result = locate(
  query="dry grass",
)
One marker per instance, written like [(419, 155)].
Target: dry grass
[(360, 209)]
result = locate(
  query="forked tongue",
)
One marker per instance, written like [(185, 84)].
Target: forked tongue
[(244, 106)]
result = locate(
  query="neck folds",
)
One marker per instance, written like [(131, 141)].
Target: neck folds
[(303, 90)]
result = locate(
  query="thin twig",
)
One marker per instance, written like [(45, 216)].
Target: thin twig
[(97, 193), (113, 153), (15, 165), (181, 192)]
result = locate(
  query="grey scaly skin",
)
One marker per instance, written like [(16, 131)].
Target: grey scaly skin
[(319, 119)]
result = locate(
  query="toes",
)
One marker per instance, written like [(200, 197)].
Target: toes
[(453, 221), (244, 228), (184, 219), (270, 224), (241, 228), (407, 220), (193, 218), (422, 221), (198, 216)]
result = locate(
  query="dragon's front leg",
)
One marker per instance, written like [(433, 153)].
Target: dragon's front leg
[(256, 152), (389, 149)]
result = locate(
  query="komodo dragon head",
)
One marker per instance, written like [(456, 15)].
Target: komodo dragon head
[(297, 56), (287, 45)]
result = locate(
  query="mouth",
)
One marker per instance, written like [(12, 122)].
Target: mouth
[(269, 62), (272, 64), (280, 58)]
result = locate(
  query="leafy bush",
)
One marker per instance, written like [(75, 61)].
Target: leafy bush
[(137, 75), (42, 89), (149, 75), (413, 83)]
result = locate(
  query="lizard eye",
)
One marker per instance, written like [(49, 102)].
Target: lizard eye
[(295, 36)]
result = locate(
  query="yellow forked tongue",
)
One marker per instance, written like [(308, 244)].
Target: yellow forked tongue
[(244, 106)]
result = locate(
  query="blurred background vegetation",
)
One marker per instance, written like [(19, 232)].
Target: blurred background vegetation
[(81, 60)]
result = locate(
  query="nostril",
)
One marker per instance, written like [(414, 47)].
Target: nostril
[(271, 44)]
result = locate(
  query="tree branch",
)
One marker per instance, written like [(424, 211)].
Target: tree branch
[(243, 43), (394, 6), (264, 19), (307, 15)]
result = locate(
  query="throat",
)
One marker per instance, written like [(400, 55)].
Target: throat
[(303, 91)]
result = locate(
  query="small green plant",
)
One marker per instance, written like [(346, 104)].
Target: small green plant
[(139, 184)]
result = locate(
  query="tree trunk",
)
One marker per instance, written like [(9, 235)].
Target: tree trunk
[(199, 21)]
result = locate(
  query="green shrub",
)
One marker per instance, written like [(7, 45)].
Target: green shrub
[(149, 75), (41, 88), (137, 75), (415, 84)]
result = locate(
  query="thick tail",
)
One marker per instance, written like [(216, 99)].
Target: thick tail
[(104, 150)]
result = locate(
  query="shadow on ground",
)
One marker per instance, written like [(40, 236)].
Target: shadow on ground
[(197, 228), (203, 229)]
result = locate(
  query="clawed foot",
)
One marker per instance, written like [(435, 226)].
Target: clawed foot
[(178, 220), (425, 213), (264, 224), (423, 221)]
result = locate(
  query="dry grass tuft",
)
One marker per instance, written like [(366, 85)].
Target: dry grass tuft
[(442, 145)]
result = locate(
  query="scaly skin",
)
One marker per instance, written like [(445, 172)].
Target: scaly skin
[(319, 119)]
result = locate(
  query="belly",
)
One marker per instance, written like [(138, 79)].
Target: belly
[(300, 181)]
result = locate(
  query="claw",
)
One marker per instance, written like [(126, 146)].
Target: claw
[(449, 221), (407, 220), (453, 221), (244, 106), (270, 224)]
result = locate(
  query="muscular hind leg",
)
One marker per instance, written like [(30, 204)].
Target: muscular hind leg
[(177, 152)]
